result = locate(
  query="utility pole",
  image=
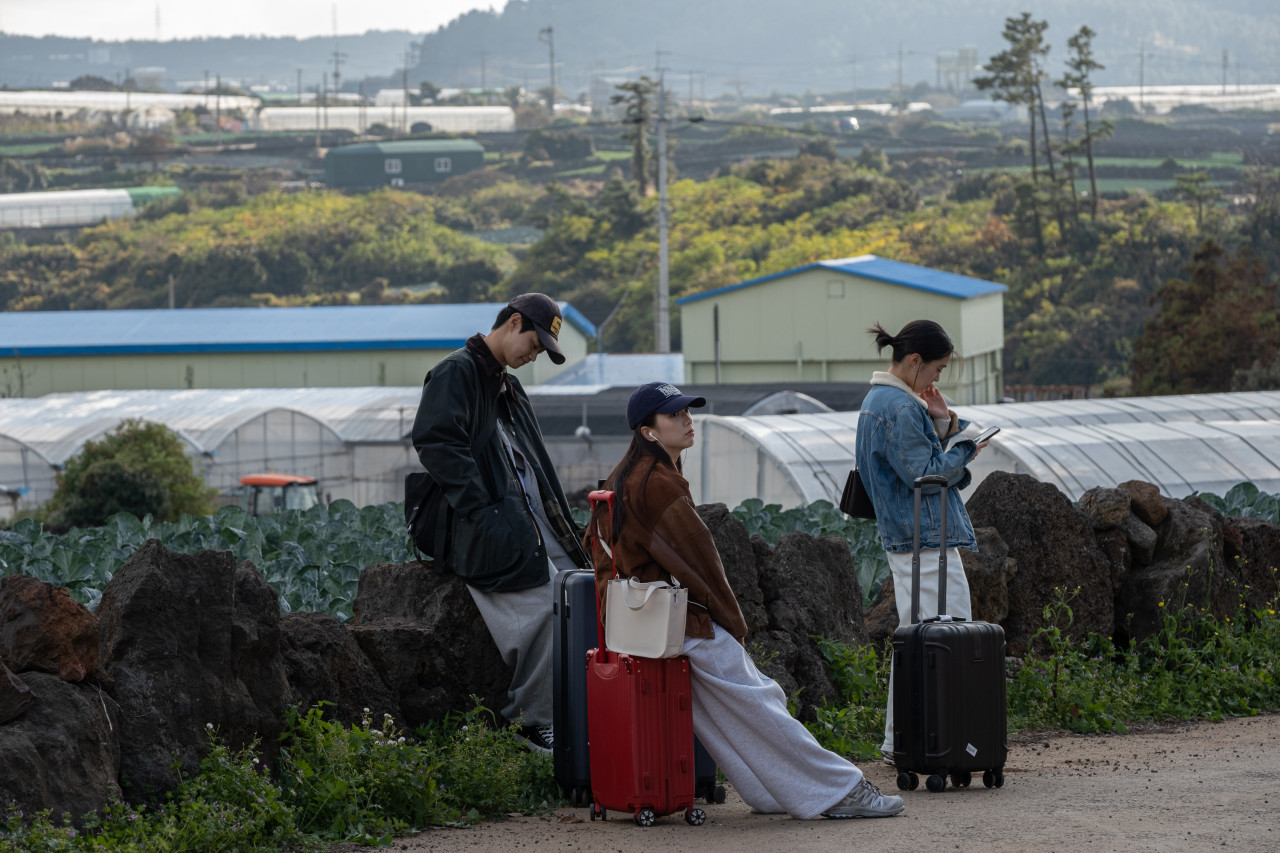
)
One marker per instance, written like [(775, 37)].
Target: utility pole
[(404, 81), (128, 89), (1142, 67), (337, 56), (662, 299), (853, 62), (217, 102), (549, 32), (484, 89), (1226, 62), (902, 100), (318, 114), (299, 86), (206, 90)]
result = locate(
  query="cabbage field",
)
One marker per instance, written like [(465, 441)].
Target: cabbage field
[(313, 558)]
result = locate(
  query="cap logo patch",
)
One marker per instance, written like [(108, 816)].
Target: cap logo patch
[(668, 390), (555, 327)]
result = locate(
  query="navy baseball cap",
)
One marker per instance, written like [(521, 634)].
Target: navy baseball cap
[(544, 313), (660, 397)]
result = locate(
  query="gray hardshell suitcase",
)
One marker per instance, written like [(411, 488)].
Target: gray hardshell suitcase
[(949, 709)]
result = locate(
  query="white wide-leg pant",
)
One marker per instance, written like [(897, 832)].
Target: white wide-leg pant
[(741, 717), (958, 603)]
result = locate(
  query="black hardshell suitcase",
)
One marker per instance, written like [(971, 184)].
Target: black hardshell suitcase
[(575, 634), (948, 688)]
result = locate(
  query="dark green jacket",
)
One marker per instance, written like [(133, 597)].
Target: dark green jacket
[(495, 545)]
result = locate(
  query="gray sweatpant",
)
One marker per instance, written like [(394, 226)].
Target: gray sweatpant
[(769, 757), (958, 603), (522, 628)]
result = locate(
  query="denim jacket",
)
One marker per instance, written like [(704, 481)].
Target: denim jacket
[(896, 443)]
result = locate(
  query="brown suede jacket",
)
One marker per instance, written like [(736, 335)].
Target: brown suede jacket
[(662, 538)]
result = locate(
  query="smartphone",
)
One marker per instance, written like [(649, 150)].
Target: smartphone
[(986, 434)]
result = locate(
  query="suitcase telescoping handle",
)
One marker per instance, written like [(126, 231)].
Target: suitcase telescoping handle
[(930, 480), (603, 496)]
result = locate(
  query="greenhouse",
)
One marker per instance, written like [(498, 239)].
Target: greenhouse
[(354, 441), (360, 119), (1184, 444), (350, 439), (49, 103), (66, 208)]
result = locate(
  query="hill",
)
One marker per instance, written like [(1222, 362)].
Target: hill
[(27, 61), (760, 47)]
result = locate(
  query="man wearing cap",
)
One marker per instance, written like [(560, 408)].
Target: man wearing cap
[(511, 529)]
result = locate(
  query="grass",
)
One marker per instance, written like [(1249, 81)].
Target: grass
[(370, 782), (28, 150), (363, 784), (1195, 667)]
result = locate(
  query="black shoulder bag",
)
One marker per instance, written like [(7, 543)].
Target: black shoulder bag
[(426, 511), (855, 501)]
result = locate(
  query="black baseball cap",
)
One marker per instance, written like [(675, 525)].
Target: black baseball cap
[(660, 397), (544, 313)]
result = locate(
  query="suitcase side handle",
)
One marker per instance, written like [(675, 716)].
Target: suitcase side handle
[(920, 482)]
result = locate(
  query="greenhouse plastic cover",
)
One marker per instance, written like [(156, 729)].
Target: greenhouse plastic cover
[(1183, 444)]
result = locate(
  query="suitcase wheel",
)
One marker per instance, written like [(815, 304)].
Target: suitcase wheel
[(936, 783), (645, 817), (596, 811), (695, 817), (908, 781), (993, 778), (719, 795), (961, 779)]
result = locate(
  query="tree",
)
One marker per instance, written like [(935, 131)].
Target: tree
[(1194, 187), (92, 83), (1220, 319), (154, 146), (138, 467), (1080, 67), (822, 146), (638, 96), (1012, 77)]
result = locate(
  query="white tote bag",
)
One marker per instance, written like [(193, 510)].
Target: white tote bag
[(645, 619)]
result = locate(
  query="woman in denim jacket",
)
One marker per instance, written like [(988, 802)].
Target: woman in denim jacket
[(903, 428)]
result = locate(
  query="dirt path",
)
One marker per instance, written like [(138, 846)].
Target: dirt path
[(1189, 787)]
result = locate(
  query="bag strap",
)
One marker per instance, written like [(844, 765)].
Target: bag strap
[(649, 590), (606, 497)]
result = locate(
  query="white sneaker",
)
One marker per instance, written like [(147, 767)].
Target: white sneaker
[(865, 800)]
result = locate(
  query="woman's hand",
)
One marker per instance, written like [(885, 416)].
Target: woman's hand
[(935, 401)]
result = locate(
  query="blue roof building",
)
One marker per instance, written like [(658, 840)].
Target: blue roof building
[(43, 352), (809, 324)]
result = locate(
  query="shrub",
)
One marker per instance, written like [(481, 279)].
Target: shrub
[(138, 467)]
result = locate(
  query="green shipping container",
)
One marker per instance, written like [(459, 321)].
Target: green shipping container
[(396, 164)]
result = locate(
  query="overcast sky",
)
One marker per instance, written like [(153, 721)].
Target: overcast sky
[(114, 20)]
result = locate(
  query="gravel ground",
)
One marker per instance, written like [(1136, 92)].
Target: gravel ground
[(1185, 787)]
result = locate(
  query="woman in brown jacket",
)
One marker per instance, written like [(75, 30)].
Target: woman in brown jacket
[(739, 714)]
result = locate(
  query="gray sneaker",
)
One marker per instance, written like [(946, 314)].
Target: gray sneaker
[(865, 800)]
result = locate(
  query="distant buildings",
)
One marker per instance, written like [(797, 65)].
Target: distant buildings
[(400, 163)]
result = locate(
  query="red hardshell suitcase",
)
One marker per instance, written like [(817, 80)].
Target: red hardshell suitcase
[(948, 687), (640, 731)]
